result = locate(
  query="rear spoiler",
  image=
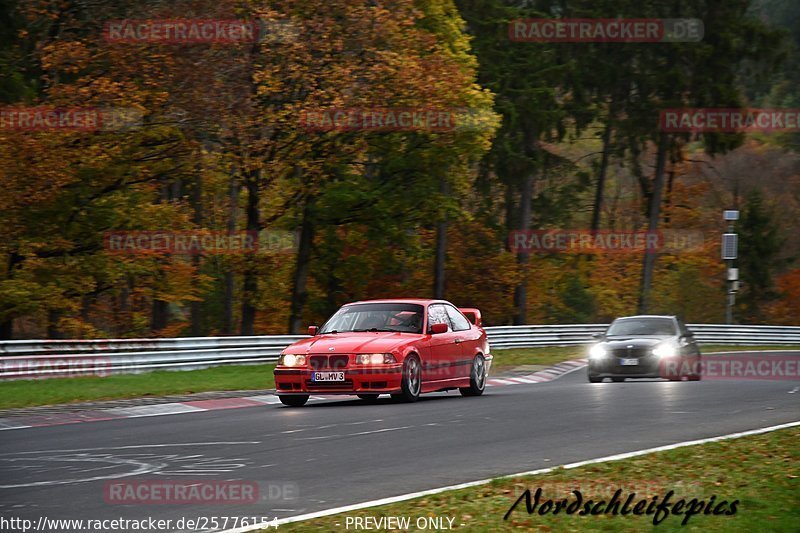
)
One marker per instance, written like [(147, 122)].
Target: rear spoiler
[(472, 314)]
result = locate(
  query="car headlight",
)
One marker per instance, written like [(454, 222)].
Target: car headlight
[(293, 360), (665, 349), (597, 351), (375, 359)]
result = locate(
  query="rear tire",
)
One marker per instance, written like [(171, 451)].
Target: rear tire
[(477, 378), (294, 400), (412, 380), (617, 380)]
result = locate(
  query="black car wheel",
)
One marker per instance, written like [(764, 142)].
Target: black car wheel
[(617, 380), (477, 378), (298, 400), (697, 375), (594, 379)]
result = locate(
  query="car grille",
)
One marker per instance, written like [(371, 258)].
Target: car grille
[(631, 352), (319, 362)]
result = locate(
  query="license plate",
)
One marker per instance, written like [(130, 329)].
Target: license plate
[(629, 362), (327, 376)]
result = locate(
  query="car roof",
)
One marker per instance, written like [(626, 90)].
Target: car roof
[(420, 301)]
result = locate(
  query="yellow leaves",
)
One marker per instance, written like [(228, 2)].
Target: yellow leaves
[(68, 57)]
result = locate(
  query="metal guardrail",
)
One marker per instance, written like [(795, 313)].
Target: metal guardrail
[(572, 334), (56, 358)]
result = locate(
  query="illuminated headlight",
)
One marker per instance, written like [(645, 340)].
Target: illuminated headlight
[(597, 351), (375, 359), (293, 360), (665, 349)]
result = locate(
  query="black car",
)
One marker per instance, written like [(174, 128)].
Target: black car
[(645, 346)]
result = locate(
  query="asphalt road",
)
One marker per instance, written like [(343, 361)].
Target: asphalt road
[(334, 453)]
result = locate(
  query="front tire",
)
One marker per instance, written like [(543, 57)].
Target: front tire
[(594, 379), (698, 374), (477, 378), (412, 380), (298, 400)]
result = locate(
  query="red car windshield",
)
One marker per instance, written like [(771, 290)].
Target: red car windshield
[(399, 317)]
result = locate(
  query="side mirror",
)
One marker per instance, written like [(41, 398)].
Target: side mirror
[(438, 328), (312, 330), (598, 335)]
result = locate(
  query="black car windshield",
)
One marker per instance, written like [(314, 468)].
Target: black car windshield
[(642, 326), (400, 317)]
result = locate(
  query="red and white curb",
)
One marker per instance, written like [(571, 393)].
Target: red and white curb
[(198, 406), (140, 411), (548, 374)]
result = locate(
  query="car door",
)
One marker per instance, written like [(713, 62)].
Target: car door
[(444, 351), (466, 339)]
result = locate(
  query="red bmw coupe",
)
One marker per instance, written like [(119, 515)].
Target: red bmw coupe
[(401, 347)]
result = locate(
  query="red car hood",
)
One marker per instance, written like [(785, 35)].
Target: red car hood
[(361, 342)]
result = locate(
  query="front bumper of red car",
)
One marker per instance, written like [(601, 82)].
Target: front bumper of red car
[(379, 379)]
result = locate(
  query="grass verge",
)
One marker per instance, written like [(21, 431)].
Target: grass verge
[(28, 393), (762, 472)]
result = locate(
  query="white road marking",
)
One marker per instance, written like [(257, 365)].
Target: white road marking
[(7, 423), (412, 495), (354, 434), (523, 380), (135, 446), (154, 410), (140, 468), (264, 398)]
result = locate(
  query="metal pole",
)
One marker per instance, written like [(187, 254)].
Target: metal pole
[(731, 299)]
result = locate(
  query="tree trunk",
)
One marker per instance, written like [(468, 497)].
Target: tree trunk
[(7, 326), (601, 175), (439, 263), (521, 291), (300, 282), (53, 317), (654, 212), (159, 311), (159, 315), (196, 307), (441, 248), (250, 283), (229, 280)]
